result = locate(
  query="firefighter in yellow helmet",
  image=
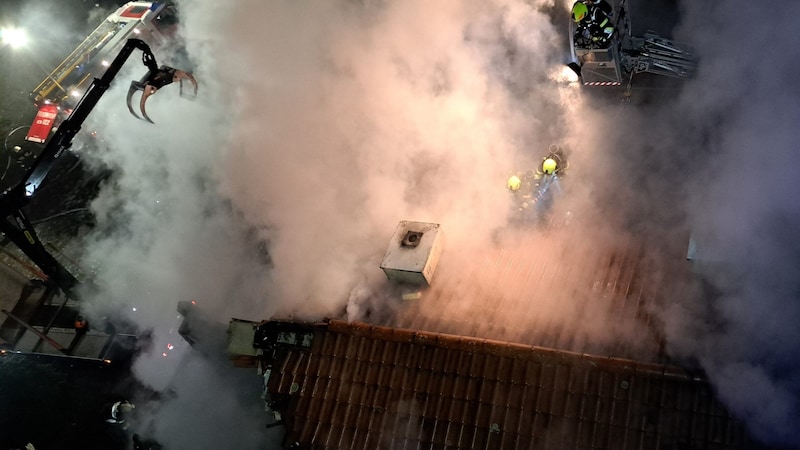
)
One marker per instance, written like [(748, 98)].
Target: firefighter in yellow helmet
[(521, 187), (523, 184), (593, 23), (579, 11), (555, 163), (549, 166)]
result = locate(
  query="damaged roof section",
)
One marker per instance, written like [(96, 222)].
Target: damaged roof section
[(576, 288), (367, 387)]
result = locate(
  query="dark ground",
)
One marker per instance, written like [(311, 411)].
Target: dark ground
[(59, 403)]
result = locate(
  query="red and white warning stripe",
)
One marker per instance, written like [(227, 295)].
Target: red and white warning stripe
[(602, 83)]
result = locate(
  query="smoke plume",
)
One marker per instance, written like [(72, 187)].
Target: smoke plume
[(319, 126), (714, 159), (737, 141)]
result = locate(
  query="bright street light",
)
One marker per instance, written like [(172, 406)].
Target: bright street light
[(14, 37)]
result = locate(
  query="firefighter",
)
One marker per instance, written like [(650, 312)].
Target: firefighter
[(81, 325), (549, 166), (580, 11), (120, 411), (593, 20), (521, 188), (555, 163), (546, 181), (81, 328), (514, 183)]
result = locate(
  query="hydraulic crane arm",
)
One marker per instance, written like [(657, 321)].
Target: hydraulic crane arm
[(19, 230), (658, 55), (154, 79)]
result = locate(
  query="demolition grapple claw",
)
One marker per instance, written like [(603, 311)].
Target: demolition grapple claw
[(154, 80)]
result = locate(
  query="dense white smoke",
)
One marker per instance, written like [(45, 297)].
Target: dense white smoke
[(719, 160), (739, 141), (319, 126), (354, 121)]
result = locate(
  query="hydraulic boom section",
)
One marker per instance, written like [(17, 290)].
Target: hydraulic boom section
[(658, 55)]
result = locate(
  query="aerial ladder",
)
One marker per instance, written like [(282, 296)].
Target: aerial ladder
[(138, 20), (615, 62)]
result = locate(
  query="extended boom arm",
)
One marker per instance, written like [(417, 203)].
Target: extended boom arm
[(13, 222)]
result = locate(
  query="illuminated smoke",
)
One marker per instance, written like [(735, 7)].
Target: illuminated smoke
[(317, 128), (354, 123)]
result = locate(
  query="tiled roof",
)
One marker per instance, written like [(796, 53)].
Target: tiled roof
[(576, 288), (366, 387)]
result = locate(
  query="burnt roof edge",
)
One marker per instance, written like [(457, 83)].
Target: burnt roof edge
[(509, 349)]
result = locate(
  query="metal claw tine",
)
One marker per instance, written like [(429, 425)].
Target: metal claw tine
[(180, 75), (152, 82), (147, 92), (135, 86)]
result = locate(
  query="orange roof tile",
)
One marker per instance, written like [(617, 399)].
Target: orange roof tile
[(367, 387)]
